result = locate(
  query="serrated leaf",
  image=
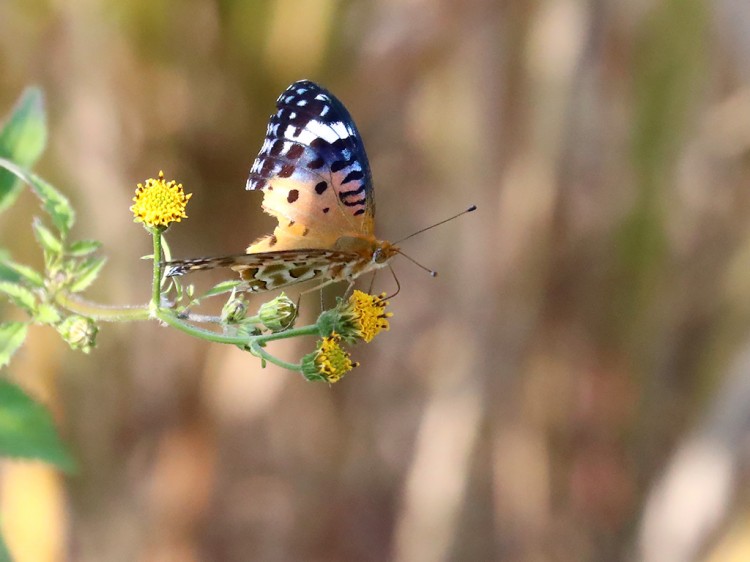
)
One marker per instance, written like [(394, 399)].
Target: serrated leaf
[(45, 313), (83, 248), (53, 202), (7, 274), (27, 431), (17, 273), (19, 295), (87, 273), (22, 139), (12, 336), (46, 239), (221, 288)]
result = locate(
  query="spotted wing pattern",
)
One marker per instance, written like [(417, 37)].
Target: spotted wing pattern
[(265, 271), (316, 181), (313, 171)]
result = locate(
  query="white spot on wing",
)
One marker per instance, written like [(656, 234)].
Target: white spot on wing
[(341, 130)]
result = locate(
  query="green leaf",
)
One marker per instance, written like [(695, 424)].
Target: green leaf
[(22, 140), (221, 288), (17, 273), (45, 313), (46, 239), (27, 431), (83, 248), (12, 336), (87, 273), (19, 295), (4, 552), (55, 203)]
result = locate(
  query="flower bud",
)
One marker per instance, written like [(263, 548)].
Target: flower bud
[(279, 314), (234, 311), (79, 331)]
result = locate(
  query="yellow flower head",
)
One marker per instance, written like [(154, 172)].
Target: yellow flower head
[(365, 315), (329, 362), (159, 203)]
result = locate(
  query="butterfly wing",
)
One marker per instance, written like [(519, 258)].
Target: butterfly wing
[(313, 171), (265, 271), (316, 181)]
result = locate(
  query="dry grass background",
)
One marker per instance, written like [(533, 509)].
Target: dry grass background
[(572, 386)]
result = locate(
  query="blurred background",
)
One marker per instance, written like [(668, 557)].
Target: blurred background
[(574, 386)]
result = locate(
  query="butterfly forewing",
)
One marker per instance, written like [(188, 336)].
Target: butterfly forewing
[(316, 181), (313, 169)]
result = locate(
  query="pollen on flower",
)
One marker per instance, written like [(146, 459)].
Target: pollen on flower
[(329, 362), (158, 202), (368, 314)]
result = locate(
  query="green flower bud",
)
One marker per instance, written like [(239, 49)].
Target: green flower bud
[(234, 311), (279, 314), (79, 331)]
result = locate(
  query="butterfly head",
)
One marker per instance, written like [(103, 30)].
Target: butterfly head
[(373, 253), (383, 252)]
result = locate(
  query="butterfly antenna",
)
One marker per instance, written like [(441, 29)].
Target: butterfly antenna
[(415, 262), (398, 285), (469, 210)]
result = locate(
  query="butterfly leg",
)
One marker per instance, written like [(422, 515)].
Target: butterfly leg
[(348, 292), (372, 281), (316, 287)]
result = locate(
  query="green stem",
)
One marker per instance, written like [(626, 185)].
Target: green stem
[(258, 351), (156, 281), (311, 330), (170, 319), (101, 312)]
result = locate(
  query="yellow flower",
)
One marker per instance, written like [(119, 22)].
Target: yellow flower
[(159, 203), (364, 315), (329, 362)]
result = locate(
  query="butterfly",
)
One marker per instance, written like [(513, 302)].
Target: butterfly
[(316, 181)]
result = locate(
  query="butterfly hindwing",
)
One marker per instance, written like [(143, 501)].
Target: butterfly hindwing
[(313, 171), (265, 271)]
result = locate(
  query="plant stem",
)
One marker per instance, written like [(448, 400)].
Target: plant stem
[(168, 317), (311, 330), (156, 282), (258, 351), (102, 312)]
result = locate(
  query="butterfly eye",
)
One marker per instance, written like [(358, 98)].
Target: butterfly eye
[(377, 255)]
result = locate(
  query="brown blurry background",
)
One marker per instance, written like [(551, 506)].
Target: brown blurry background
[(574, 386)]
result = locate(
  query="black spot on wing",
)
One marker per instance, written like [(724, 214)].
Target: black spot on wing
[(339, 165), (286, 170), (316, 164), (352, 176), (351, 193), (293, 195), (321, 187), (295, 152)]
